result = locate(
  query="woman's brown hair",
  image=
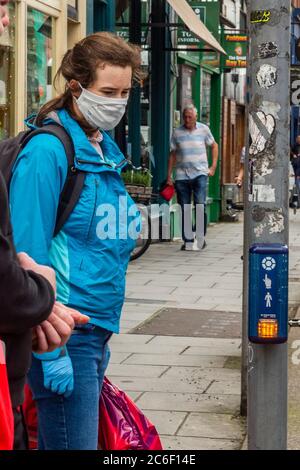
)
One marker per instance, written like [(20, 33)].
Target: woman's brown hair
[(81, 64)]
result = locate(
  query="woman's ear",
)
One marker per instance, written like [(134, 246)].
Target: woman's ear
[(75, 87)]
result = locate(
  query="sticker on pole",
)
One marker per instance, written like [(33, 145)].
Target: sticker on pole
[(267, 50), (261, 127), (260, 16), (266, 77)]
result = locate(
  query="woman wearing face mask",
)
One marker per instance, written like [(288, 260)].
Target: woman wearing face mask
[(90, 254)]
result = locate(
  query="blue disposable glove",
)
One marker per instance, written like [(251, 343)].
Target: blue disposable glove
[(58, 371)]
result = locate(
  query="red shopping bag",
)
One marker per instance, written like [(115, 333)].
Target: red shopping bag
[(30, 416), (122, 426), (6, 414)]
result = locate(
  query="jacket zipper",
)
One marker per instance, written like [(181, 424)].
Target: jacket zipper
[(94, 210), (119, 165), (90, 222)]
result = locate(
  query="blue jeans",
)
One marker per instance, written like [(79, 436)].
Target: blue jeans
[(186, 189), (72, 423)]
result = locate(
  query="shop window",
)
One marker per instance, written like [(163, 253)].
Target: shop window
[(205, 93), (73, 10), (7, 74), (123, 132), (185, 89), (39, 59)]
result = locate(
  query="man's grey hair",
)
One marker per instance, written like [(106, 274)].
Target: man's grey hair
[(190, 107)]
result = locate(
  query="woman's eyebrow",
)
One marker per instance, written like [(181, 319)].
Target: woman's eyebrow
[(113, 89)]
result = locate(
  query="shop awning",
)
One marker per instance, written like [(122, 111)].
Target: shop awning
[(190, 19)]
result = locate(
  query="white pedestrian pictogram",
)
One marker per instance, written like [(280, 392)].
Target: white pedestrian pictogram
[(268, 299), (268, 282)]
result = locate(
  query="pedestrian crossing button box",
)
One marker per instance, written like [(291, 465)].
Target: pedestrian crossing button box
[(268, 293)]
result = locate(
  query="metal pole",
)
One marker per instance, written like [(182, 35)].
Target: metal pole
[(267, 202), (160, 93), (246, 244), (135, 32)]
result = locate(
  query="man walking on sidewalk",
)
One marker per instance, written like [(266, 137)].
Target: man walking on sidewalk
[(189, 156)]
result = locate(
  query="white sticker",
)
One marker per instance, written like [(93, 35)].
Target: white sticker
[(268, 107), (266, 76), (263, 193), (273, 223), (276, 222), (261, 128), (265, 170)]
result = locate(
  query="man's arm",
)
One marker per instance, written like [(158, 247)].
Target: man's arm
[(171, 164), (26, 298), (240, 176), (215, 156)]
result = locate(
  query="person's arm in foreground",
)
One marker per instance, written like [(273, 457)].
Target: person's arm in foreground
[(34, 194)]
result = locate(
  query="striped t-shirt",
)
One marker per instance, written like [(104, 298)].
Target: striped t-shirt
[(190, 148)]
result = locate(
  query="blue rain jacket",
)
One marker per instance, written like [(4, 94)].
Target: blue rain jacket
[(90, 254)]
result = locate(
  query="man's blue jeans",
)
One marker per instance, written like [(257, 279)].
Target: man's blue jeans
[(72, 423), (186, 189)]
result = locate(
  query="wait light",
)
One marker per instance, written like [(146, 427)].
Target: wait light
[(267, 328)]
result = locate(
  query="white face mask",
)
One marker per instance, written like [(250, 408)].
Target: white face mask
[(100, 111)]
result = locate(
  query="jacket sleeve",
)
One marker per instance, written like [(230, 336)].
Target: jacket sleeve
[(26, 298), (38, 178)]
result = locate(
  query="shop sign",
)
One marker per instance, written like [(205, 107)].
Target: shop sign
[(236, 47), (184, 37), (208, 11), (123, 32)]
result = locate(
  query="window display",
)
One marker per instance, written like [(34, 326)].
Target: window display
[(39, 59), (7, 73), (205, 97)]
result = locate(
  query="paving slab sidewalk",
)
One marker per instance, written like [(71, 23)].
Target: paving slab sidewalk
[(190, 386)]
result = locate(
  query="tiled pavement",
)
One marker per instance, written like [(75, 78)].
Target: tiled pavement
[(188, 386)]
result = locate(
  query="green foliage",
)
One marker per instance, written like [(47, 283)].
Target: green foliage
[(136, 177)]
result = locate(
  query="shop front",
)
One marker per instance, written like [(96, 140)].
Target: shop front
[(199, 82), (31, 50), (173, 77)]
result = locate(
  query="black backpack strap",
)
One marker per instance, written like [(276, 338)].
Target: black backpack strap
[(74, 180)]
